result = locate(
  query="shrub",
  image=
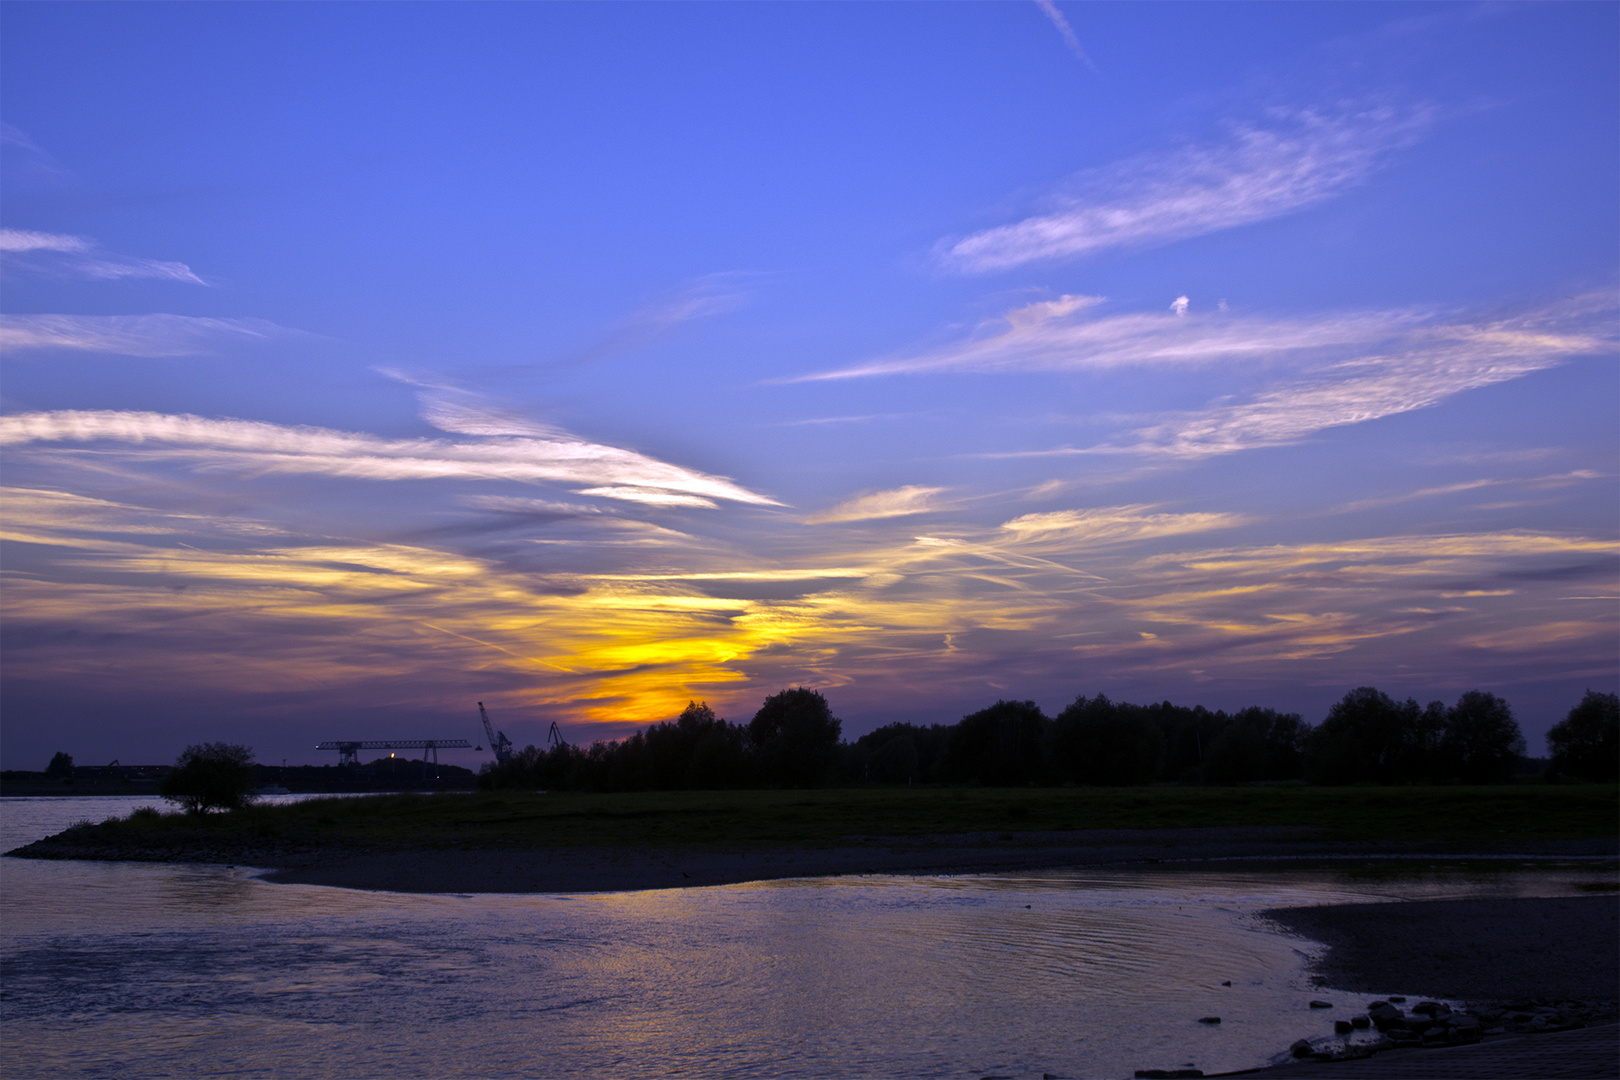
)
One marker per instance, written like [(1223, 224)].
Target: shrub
[(210, 776)]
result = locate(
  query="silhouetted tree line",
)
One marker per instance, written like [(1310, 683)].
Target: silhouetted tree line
[(1366, 737)]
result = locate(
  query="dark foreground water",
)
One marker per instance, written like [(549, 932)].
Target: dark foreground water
[(129, 969)]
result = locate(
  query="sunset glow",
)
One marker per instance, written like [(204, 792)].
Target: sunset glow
[(365, 362)]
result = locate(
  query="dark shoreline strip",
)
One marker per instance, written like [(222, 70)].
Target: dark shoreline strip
[(1565, 948), (1591, 1053)]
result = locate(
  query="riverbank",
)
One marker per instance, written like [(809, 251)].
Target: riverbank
[(536, 842), (1538, 966), (603, 868), (1555, 949)]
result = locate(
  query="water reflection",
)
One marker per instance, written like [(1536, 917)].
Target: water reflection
[(125, 969)]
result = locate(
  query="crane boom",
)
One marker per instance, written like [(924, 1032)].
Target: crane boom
[(498, 742)]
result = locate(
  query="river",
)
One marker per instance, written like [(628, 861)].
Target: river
[(133, 969)]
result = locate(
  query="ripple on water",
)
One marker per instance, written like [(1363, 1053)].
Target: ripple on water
[(136, 969)]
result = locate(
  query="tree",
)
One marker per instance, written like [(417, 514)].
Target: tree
[(1481, 743), (1586, 743), (1004, 745), (61, 767), (1097, 741), (897, 753), (1367, 736), (795, 735), (1259, 744), (895, 762), (210, 776), (699, 750)]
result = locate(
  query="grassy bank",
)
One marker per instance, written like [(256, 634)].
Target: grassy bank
[(821, 817)]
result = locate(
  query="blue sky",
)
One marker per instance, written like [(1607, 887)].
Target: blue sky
[(365, 361)]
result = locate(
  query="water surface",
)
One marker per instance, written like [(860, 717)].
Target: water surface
[(119, 969)]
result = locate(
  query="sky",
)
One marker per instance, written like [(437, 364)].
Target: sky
[(362, 362)]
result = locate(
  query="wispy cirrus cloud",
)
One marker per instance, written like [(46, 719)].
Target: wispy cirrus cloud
[(691, 301), (1530, 483), (1424, 368), (254, 447), (1115, 524), (897, 502), (1065, 31), (702, 298), (150, 336), (75, 256), (24, 155), (1284, 161), (1324, 370), (1063, 335)]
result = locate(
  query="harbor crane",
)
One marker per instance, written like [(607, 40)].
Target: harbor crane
[(349, 749), (498, 742)]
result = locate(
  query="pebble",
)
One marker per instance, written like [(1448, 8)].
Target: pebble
[(1433, 1023)]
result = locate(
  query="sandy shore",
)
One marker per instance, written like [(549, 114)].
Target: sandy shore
[(604, 869), (1565, 948)]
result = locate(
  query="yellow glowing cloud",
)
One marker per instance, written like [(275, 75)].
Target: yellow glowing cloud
[(226, 603), (898, 502), (1115, 523)]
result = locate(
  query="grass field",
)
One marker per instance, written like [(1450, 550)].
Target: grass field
[(823, 817)]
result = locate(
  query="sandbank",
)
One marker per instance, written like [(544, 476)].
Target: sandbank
[(583, 868)]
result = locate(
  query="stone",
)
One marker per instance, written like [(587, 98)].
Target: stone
[(1228, 982), (1387, 1017), (1397, 999), (1302, 1049), (1209, 1019), (1361, 1021), (1321, 1004), (1343, 1027), (1168, 1074)]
